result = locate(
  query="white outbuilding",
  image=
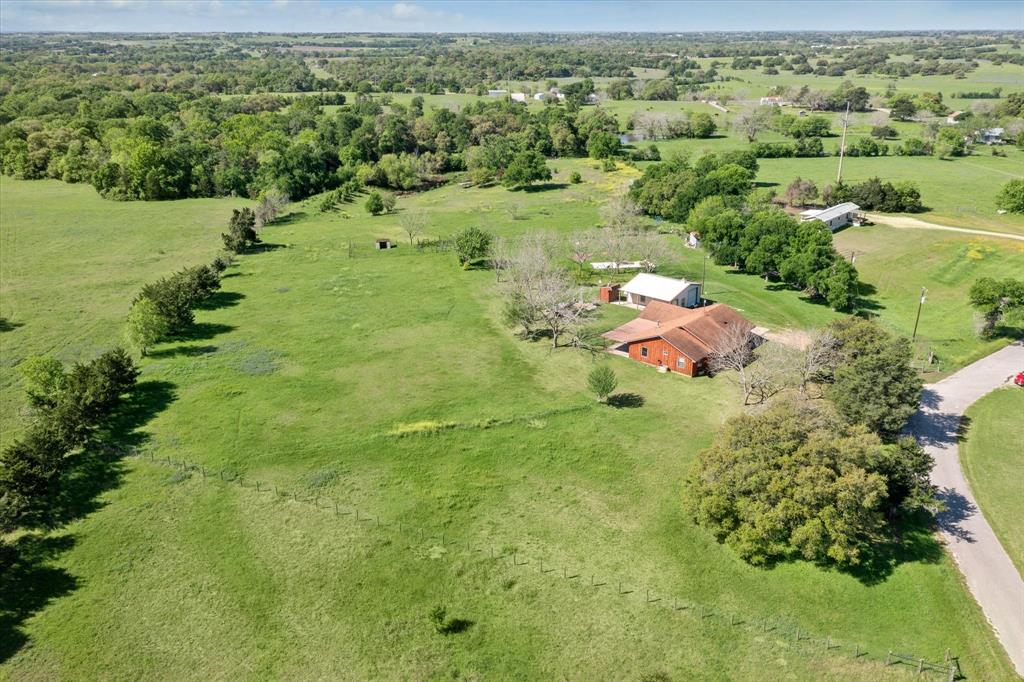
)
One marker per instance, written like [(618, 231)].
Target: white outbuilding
[(834, 217), (647, 287)]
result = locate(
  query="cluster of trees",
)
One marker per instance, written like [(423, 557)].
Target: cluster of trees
[(768, 242), (875, 195), (672, 188), (797, 482), (68, 406), (166, 307), (540, 296), (803, 147), (659, 126), (184, 146), (995, 298), (821, 480)]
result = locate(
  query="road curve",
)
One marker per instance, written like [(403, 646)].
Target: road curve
[(990, 575), (905, 223)]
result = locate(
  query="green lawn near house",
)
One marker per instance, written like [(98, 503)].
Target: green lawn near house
[(992, 459), (386, 381)]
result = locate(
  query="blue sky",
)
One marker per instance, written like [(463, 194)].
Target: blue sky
[(498, 15)]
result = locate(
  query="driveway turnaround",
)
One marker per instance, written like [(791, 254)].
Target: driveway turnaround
[(991, 576)]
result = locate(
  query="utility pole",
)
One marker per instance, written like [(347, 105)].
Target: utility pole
[(920, 303), (842, 145)]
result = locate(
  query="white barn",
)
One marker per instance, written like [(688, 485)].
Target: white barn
[(646, 287), (834, 217)]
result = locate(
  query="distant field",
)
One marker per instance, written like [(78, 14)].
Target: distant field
[(993, 461), (299, 375)]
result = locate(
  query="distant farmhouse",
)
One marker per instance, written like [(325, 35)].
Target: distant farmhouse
[(497, 93), (834, 217), (773, 102), (646, 288), (676, 339), (519, 97)]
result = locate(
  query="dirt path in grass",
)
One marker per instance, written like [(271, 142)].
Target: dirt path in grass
[(990, 575), (904, 222)]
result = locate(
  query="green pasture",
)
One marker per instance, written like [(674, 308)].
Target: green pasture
[(386, 381), (992, 460)]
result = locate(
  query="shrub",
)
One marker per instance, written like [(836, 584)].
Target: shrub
[(602, 381), (472, 245), (375, 203), (241, 231), (1011, 197), (575, 178)]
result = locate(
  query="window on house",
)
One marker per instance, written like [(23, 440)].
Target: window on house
[(665, 352), (643, 351), (681, 363)]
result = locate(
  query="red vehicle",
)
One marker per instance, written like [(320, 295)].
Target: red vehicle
[(1019, 379)]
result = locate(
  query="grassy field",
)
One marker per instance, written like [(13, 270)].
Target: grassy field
[(304, 371), (71, 262), (992, 459)]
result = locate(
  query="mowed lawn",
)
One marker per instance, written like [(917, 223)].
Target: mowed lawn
[(303, 374), (992, 457)]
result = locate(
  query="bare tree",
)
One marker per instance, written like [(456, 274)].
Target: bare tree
[(413, 223), (800, 192), (816, 364), (271, 206), (752, 120), (558, 302), (622, 214), (653, 126), (500, 256), (613, 243), (651, 249), (515, 210), (539, 294), (733, 352), (581, 247)]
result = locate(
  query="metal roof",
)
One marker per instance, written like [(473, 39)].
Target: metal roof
[(656, 286), (836, 211)]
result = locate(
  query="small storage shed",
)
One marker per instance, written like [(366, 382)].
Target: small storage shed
[(383, 244)]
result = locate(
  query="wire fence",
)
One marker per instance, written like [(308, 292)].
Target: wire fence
[(780, 627)]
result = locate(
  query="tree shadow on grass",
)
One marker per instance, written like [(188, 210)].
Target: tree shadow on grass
[(184, 351), (286, 219), (264, 247), (543, 187), (8, 326), (913, 541), (27, 582), (456, 625), (626, 400), (221, 299), (99, 466), (202, 331)]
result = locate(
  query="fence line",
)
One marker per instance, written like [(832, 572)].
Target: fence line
[(950, 668)]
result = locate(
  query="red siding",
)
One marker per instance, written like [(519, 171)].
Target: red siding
[(659, 352)]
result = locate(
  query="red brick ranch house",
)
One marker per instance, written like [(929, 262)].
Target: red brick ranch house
[(675, 338)]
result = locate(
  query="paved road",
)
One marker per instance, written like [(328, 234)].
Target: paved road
[(904, 222), (990, 575)]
